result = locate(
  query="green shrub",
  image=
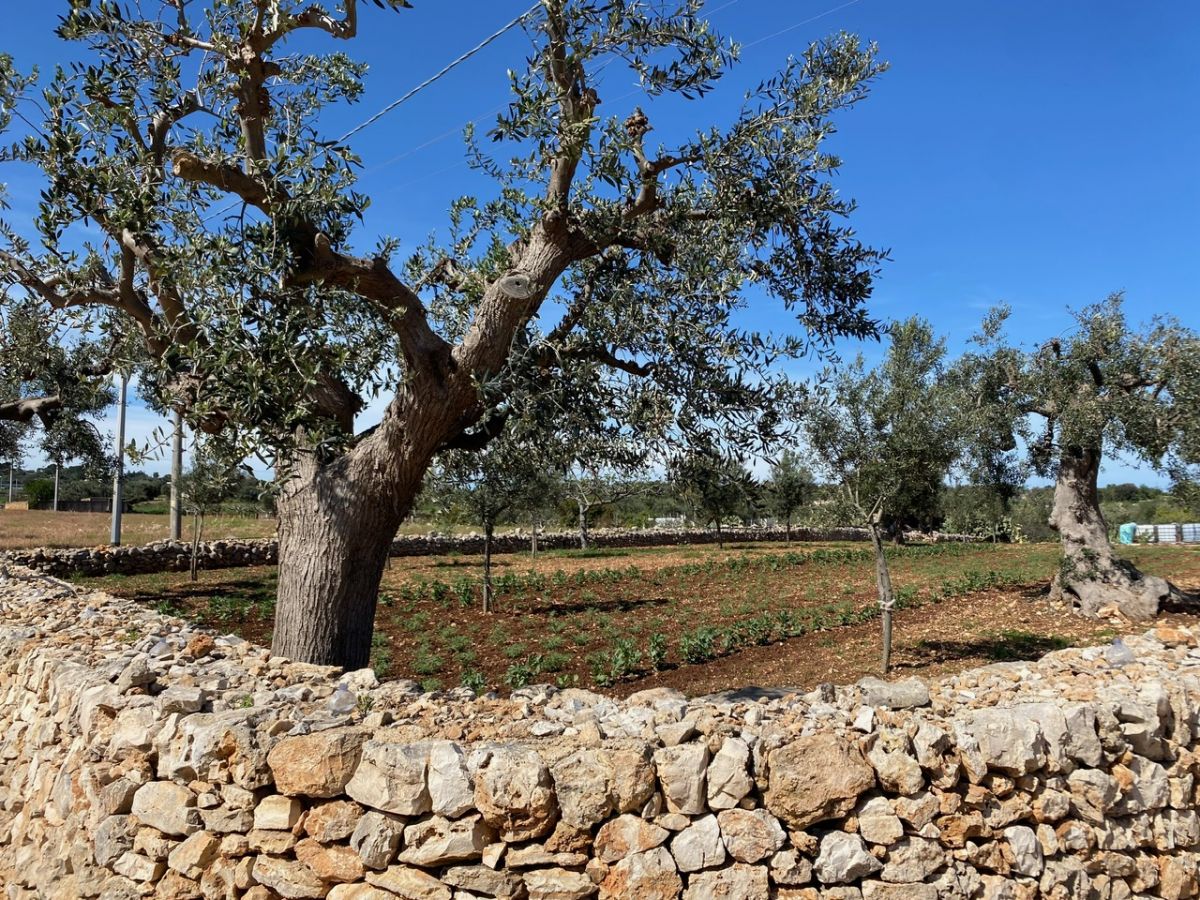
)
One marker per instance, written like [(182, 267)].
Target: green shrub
[(40, 490), (522, 673), (656, 651), (427, 662), (699, 645), (473, 679), (555, 662), (619, 662), (464, 590)]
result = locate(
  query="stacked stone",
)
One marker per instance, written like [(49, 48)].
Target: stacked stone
[(142, 758), (176, 556), (143, 559)]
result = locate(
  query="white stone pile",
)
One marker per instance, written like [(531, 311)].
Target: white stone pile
[(142, 758)]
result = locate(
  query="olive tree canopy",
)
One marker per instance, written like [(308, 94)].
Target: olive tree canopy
[(51, 389), (1103, 388), (220, 220)]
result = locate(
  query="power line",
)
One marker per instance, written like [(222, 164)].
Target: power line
[(488, 40), (413, 92), (626, 95), (475, 119), (793, 27), (445, 69)]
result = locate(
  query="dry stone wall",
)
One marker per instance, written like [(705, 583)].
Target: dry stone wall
[(175, 556), (140, 757)]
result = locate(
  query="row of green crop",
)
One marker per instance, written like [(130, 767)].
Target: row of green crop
[(627, 657), (466, 589)]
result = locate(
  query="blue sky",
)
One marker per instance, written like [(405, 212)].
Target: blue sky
[(1039, 154)]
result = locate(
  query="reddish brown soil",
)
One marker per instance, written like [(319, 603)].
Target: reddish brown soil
[(976, 605)]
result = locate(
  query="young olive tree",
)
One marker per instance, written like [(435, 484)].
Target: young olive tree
[(887, 437), (791, 487), (189, 147), (210, 481), (591, 488), (487, 484), (1105, 387), (713, 486)]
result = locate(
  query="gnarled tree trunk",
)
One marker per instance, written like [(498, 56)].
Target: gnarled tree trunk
[(1091, 577), (335, 534), (337, 519)]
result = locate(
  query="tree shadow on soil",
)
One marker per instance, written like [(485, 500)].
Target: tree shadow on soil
[(247, 590), (1185, 603), (1006, 646), (604, 606)]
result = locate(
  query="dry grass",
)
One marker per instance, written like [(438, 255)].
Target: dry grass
[(23, 528)]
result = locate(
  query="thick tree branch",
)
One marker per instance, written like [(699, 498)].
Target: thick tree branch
[(192, 168), (483, 434), (445, 271), (23, 410), (609, 358), (336, 401), (424, 350), (576, 103), (165, 120), (314, 17)]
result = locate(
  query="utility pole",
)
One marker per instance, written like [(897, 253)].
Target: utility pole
[(56, 468), (119, 473), (10, 482), (177, 479)]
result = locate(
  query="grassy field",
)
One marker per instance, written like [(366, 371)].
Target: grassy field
[(22, 528), (697, 618)]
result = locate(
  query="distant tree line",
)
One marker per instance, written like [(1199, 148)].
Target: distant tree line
[(148, 492)]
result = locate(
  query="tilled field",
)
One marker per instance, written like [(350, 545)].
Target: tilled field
[(700, 618)]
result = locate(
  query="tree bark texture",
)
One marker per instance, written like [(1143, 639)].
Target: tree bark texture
[(1091, 577), (335, 534), (883, 585)]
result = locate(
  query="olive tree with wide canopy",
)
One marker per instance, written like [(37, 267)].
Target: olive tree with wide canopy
[(610, 261)]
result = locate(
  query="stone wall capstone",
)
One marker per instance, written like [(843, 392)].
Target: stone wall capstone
[(175, 556), (142, 757)]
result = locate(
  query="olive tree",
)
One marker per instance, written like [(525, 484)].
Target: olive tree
[(713, 486), (208, 482), (220, 224), (791, 487), (52, 388), (1102, 387), (488, 484), (887, 437)]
